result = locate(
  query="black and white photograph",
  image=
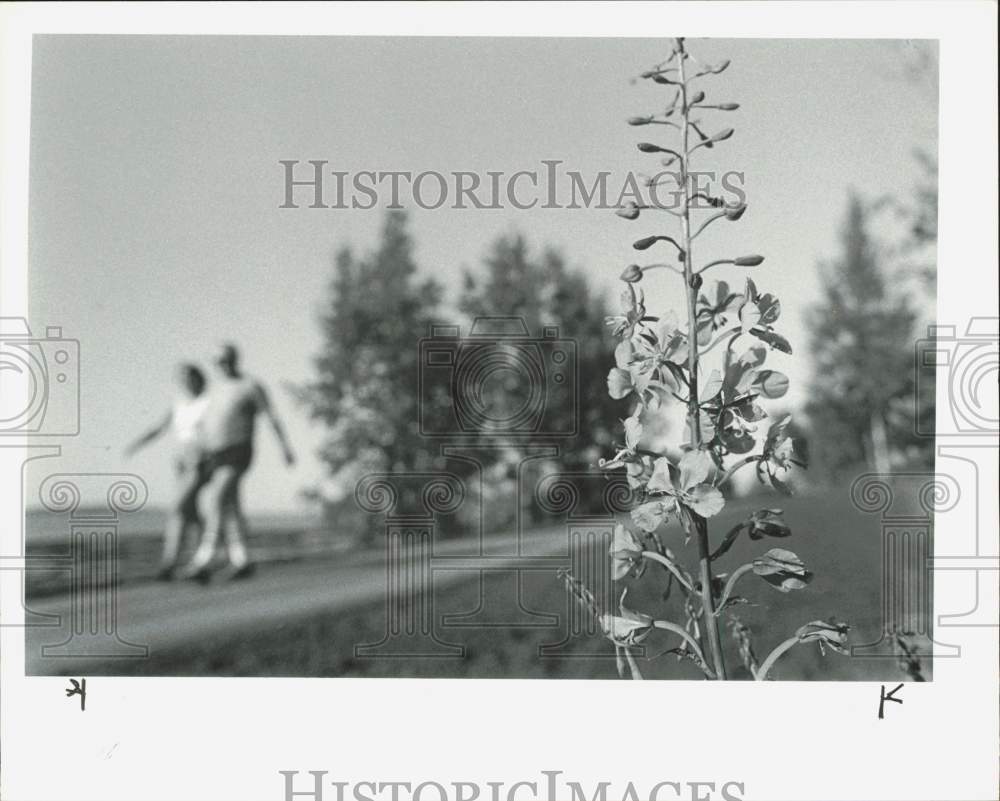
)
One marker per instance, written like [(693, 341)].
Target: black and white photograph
[(500, 356)]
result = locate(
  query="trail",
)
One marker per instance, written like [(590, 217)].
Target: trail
[(171, 615)]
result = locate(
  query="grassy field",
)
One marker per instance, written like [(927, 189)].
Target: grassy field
[(840, 544)]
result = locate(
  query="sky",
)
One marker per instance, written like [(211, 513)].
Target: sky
[(155, 227)]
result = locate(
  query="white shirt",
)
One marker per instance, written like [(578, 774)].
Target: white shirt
[(186, 419)]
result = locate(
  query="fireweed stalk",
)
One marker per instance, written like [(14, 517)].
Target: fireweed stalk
[(661, 358)]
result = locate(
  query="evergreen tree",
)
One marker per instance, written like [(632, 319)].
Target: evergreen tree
[(542, 291), (365, 389), (862, 341)]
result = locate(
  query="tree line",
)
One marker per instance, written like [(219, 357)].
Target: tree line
[(863, 399)]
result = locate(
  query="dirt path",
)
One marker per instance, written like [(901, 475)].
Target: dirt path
[(168, 615)]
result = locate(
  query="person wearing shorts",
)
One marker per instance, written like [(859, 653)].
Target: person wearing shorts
[(184, 420), (235, 402)]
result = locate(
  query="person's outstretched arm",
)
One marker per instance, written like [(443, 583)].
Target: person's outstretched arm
[(279, 430), (154, 433)]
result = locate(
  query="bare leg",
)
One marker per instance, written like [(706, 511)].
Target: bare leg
[(184, 513), (236, 527), (220, 490)]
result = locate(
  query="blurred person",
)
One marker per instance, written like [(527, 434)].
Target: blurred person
[(184, 419), (235, 401)]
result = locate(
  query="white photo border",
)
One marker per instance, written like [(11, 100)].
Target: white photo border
[(217, 738)]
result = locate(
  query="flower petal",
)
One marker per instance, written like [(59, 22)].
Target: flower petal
[(705, 500)]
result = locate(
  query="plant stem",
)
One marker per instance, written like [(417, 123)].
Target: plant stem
[(773, 657), (739, 573), (742, 463), (632, 664), (652, 555), (694, 412), (666, 625)]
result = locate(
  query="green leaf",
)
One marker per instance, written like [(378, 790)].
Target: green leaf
[(705, 500), (782, 569), (770, 309), (775, 340)]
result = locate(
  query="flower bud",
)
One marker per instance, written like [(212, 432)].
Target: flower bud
[(696, 282), (748, 261), (721, 136), (639, 120), (728, 106), (647, 147), (826, 633), (632, 274), (735, 212), (645, 243), (629, 211), (698, 97)]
